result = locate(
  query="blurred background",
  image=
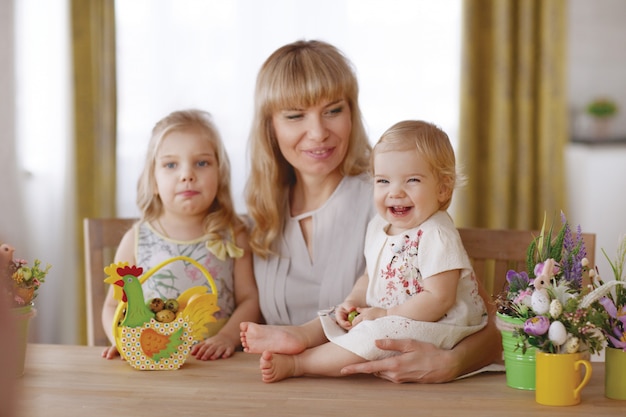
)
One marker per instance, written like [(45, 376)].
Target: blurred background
[(173, 54)]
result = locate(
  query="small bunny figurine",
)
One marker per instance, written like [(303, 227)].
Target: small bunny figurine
[(6, 256)]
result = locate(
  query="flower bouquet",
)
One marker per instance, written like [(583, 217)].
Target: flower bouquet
[(19, 283), (548, 298), (558, 322), (25, 281), (609, 298), (540, 308)]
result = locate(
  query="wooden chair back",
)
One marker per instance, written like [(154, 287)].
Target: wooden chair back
[(494, 252), (102, 236)]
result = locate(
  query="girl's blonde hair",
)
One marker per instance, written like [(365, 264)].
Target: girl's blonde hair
[(298, 75), (432, 144), (220, 217)]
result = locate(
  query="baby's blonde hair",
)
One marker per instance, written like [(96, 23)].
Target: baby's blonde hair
[(220, 217), (298, 75), (432, 144)]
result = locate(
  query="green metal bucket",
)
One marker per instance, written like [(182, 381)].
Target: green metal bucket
[(519, 367)]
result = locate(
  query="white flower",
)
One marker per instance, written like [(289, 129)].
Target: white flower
[(557, 333)]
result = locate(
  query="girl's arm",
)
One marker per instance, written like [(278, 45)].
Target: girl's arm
[(125, 253), (224, 343)]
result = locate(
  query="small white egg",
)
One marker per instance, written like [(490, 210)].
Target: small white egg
[(540, 302), (557, 333)]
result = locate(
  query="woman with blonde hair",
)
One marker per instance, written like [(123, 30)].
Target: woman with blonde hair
[(309, 198)]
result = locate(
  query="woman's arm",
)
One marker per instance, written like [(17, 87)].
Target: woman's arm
[(425, 363)]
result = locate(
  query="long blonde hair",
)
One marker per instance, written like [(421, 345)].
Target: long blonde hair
[(432, 144), (298, 75), (220, 217)]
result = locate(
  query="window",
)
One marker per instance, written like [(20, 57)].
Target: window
[(175, 54)]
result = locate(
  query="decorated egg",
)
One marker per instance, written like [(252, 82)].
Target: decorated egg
[(556, 308), (557, 333), (572, 345), (540, 302), (172, 305), (165, 316), (156, 304)]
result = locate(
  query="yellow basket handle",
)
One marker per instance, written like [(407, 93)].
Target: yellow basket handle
[(202, 269)]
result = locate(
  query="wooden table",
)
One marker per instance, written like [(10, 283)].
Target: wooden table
[(68, 381)]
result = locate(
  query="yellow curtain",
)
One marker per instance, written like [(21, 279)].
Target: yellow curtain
[(93, 52), (513, 126)]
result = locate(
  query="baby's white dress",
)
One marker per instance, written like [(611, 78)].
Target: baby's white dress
[(397, 267)]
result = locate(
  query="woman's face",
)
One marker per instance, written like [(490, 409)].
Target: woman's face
[(314, 140)]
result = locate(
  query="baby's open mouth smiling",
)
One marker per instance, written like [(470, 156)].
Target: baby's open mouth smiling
[(399, 210)]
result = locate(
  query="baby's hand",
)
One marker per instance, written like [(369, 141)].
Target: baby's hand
[(216, 347), (369, 313), (342, 311)]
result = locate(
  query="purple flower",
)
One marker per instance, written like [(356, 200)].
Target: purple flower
[(536, 326), (619, 316), (517, 281), (610, 308), (620, 341), (573, 253)]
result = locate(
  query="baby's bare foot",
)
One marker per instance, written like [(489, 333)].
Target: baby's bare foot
[(276, 367), (258, 338)]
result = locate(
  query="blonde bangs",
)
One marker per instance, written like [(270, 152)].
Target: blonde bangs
[(304, 77)]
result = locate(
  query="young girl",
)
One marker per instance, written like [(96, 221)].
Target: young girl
[(186, 209), (422, 285)]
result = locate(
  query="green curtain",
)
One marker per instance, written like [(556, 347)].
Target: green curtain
[(514, 122), (93, 53)]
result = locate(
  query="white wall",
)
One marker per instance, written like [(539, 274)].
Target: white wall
[(36, 190), (11, 219), (597, 172), (405, 52), (597, 59)]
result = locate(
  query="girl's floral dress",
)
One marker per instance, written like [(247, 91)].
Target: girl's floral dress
[(174, 278)]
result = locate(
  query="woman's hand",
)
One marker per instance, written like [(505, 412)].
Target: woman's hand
[(425, 363), (417, 362)]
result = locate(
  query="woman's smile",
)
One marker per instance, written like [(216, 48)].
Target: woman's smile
[(320, 153)]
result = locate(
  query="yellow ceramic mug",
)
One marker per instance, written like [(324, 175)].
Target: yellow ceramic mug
[(558, 378)]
